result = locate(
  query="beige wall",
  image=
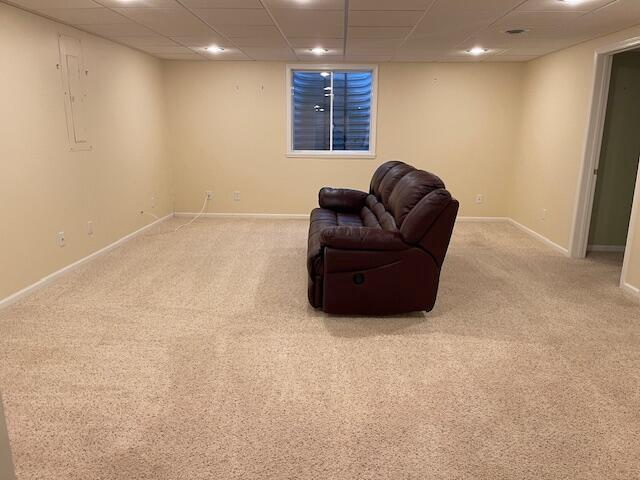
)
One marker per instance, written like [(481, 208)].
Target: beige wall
[(228, 134), (618, 164), (633, 273), (45, 188), (557, 95)]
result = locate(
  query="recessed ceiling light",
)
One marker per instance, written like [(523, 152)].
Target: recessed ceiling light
[(318, 50), (477, 51), (214, 49), (516, 31)]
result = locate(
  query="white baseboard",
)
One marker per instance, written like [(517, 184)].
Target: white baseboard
[(483, 219), (53, 276), (274, 216), (631, 289), (540, 237), (606, 248)]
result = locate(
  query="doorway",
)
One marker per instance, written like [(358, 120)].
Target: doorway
[(617, 168), (595, 145)]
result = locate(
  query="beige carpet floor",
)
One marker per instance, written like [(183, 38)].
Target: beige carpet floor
[(194, 355)]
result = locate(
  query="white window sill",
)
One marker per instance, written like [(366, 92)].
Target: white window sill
[(338, 155)]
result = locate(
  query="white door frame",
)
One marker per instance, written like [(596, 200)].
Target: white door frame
[(593, 145), (635, 212)]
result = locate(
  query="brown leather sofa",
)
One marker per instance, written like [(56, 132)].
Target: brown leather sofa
[(380, 253)]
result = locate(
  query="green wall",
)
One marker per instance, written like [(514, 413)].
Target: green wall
[(619, 158)]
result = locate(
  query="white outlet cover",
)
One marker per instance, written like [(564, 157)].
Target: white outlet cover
[(60, 239)]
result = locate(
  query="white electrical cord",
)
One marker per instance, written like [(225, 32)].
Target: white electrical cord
[(204, 206)]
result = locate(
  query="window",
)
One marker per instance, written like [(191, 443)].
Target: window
[(331, 111)]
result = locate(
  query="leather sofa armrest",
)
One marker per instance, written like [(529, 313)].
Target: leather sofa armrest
[(342, 199), (362, 238)]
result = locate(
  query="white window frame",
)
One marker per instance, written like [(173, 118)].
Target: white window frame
[(371, 153)]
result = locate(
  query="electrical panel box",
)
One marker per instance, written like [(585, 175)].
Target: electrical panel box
[(75, 97)]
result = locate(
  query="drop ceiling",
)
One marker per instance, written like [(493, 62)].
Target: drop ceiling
[(349, 30)]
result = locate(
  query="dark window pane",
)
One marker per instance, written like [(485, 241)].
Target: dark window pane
[(352, 110), (311, 113)]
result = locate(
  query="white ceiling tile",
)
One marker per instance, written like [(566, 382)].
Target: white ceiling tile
[(319, 60), (373, 43), (379, 32), (306, 4), (365, 50), (222, 3), (370, 18), (45, 4), (233, 31), (305, 23), (85, 16), (463, 53), (442, 22), (271, 54), (367, 58), (234, 16), (537, 19), (512, 58), (424, 47), (229, 54), (555, 5), (264, 42), (150, 41), (389, 4), (167, 21), (477, 5), (165, 49), (316, 42), (332, 52), (119, 30), (180, 56), (201, 41), (140, 3)]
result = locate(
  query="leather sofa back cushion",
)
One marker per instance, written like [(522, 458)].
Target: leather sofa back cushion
[(390, 181), (409, 190), (379, 175), (375, 215), (422, 217)]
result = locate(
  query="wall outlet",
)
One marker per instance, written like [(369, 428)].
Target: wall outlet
[(60, 239), (543, 215), (236, 196), (153, 202), (209, 194), (90, 227), (480, 198)]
